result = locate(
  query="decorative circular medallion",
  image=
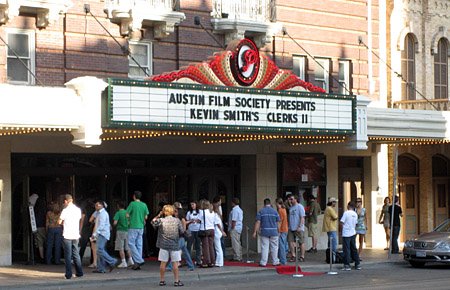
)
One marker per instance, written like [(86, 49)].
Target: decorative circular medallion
[(244, 62)]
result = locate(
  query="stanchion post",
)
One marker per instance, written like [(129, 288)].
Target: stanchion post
[(248, 261), (296, 275), (331, 272)]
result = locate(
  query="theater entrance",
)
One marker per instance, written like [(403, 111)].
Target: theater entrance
[(161, 179)]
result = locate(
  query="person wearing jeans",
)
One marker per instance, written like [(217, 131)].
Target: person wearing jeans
[(70, 218), (282, 240), (71, 253), (103, 256), (102, 234), (329, 223), (193, 222), (182, 242), (137, 212), (187, 257), (334, 241), (54, 234), (396, 226), (348, 227)]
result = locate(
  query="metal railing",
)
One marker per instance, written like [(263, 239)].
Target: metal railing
[(250, 10), (440, 104)]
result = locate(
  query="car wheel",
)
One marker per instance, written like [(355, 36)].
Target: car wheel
[(416, 264)]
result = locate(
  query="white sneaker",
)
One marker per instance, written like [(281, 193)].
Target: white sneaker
[(130, 262), (122, 265)]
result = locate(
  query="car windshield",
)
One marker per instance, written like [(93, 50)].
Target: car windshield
[(444, 227)]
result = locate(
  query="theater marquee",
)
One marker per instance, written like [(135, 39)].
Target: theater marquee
[(190, 106)]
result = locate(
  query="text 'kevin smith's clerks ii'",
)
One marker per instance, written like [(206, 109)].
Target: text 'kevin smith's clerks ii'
[(250, 105)]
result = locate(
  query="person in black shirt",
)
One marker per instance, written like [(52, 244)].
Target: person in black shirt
[(396, 225)]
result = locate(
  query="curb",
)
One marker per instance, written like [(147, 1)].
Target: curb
[(124, 280)]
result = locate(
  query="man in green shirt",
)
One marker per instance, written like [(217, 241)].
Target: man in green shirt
[(121, 244), (137, 212)]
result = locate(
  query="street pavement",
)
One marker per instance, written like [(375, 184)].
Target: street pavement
[(377, 276), (41, 276)]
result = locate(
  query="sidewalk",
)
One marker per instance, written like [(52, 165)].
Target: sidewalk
[(42, 276)]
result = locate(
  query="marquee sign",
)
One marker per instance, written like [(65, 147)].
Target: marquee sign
[(164, 105)]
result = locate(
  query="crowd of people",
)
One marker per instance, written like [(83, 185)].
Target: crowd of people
[(281, 230)]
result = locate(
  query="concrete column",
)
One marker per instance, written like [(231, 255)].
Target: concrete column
[(426, 202), (380, 190), (266, 178), (5, 204)]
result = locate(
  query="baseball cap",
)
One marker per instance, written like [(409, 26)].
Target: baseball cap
[(331, 199)]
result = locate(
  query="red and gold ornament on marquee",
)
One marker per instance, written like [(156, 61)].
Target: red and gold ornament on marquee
[(240, 65)]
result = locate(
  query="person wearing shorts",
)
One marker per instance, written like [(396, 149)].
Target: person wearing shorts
[(313, 231), (169, 230), (121, 243), (296, 228)]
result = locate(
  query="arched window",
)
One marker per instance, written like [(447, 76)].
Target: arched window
[(408, 69), (440, 71)]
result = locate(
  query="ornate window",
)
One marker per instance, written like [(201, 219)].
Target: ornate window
[(441, 71), (408, 69)]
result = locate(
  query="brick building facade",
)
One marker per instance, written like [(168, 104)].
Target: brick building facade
[(332, 44)]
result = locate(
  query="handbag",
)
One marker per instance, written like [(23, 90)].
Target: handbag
[(187, 234), (202, 233)]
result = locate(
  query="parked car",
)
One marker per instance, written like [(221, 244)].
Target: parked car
[(430, 247)]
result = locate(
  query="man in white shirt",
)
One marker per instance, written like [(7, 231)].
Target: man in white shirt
[(102, 234), (235, 229), (347, 226), (70, 219)]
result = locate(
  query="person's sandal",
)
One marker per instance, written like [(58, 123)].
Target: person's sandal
[(162, 283), (176, 284), (292, 259), (301, 259)]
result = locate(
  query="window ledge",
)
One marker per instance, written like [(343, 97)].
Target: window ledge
[(132, 17), (261, 32), (47, 11)]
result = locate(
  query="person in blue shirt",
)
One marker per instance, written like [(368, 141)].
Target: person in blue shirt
[(235, 229), (102, 234), (268, 224), (296, 228)]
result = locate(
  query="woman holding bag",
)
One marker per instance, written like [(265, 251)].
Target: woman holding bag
[(193, 222), (208, 221)]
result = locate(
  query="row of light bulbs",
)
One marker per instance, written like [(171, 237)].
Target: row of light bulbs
[(225, 135), (403, 139), (22, 130), (421, 143), (319, 142)]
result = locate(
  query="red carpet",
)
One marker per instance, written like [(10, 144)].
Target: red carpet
[(283, 270)]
